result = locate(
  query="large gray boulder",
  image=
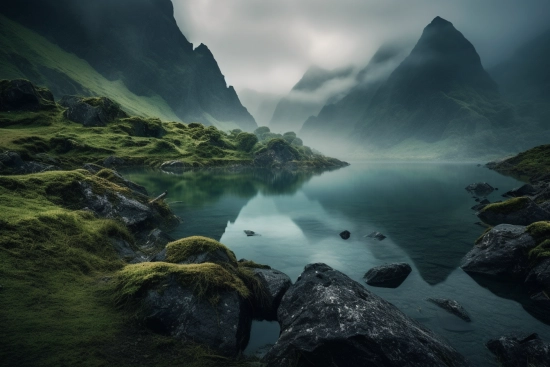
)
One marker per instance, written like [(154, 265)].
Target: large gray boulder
[(501, 253), (520, 351), (91, 112), (275, 285), (22, 95), (522, 211), (175, 310), (327, 319), (388, 275)]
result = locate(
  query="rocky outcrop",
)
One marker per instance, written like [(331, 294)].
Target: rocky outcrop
[(91, 112), (520, 351), (327, 319), (538, 278), (501, 253), (275, 284), (277, 153), (525, 190), (345, 235), (388, 276), (12, 163), (175, 310), (451, 306), (480, 189), (22, 95), (519, 211)]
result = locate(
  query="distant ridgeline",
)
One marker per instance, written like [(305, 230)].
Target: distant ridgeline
[(439, 102), (129, 50)]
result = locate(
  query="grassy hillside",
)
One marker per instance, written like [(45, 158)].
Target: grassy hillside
[(25, 54)]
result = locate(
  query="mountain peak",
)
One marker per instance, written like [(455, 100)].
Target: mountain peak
[(440, 22)]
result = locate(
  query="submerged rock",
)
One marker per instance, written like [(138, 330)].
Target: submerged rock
[(502, 253), (175, 166), (22, 95), (327, 319), (388, 276), (480, 188), (250, 233), (520, 211), (377, 235), (520, 351), (275, 284), (451, 306), (345, 235)]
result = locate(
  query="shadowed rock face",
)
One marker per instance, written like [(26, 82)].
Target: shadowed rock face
[(327, 319), (388, 276), (22, 95), (89, 115), (520, 351), (523, 212)]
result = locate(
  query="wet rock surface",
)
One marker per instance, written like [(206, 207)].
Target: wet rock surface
[(501, 253), (520, 351), (275, 283), (376, 235), (327, 319), (451, 306), (388, 276)]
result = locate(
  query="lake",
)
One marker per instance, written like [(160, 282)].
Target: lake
[(422, 208)]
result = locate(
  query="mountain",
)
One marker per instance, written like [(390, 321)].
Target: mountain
[(338, 119), (439, 91), (309, 95), (135, 43), (525, 78), (261, 105)]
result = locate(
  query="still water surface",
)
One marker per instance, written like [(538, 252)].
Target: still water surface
[(422, 208)]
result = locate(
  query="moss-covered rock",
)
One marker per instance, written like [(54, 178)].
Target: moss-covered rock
[(521, 211), (198, 249), (22, 95), (92, 111)]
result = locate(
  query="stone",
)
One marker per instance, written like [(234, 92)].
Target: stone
[(520, 351), (250, 233), (377, 235), (480, 188), (538, 278), (451, 306), (275, 284), (345, 235), (525, 190), (112, 161), (502, 253), (524, 212), (22, 95), (327, 319), (388, 276), (91, 112), (12, 163), (175, 310)]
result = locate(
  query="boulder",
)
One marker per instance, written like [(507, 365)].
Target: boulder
[(388, 276), (250, 233), (175, 310), (451, 306), (345, 235), (520, 351), (22, 95), (91, 112), (538, 279), (377, 235), (480, 188), (327, 319), (277, 154), (525, 190), (12, 163), (501, 253), (520, 211), (275, 284)]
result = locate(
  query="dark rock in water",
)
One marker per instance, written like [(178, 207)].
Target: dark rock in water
[(12, 163), (501, 253), (477, 199), (91, 112), (478, 207), (250, 233), (520, 351), (175, 310), (327, 319), (175, 166), (538, 278), (485, 201), (345, 234), (388, 276), (451, 306), (112, 162), (480, 188), (379, 236), (481, 224), (22, 95), (275, 283), (525, 190), (520, 211)]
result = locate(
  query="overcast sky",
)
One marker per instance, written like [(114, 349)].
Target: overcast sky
[(267, 45)]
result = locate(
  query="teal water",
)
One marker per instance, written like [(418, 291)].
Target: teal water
[(422, 208)]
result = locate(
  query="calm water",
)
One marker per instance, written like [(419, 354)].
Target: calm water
[(422, 208)]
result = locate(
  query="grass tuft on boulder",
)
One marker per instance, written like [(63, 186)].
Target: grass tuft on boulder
[(508, 206), (184, 248)]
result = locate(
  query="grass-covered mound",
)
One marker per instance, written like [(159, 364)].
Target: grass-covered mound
[(57, 263), (532, 165), (184, 248), (52, 136), (508, 206), (540, 231)]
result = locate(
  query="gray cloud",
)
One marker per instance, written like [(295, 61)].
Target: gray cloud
[(267, 45)]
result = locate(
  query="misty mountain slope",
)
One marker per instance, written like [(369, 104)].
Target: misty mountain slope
[(308, 96), (440, 90), (261, 105), (138, 43), (25, 54), (338, 119)]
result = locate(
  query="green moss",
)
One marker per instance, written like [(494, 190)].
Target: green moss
[(246, 141), (184, 248), (541, 251), (252, 264), (539, 230), (508, 206), (206, 280), (262, 130)]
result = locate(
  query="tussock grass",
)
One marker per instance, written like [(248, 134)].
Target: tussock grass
[(184, 248)]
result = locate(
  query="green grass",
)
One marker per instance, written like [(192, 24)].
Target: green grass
[(508, 206), (25, 54), (531, 164), (184, 248)]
